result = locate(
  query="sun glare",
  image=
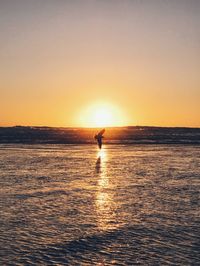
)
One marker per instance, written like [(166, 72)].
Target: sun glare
[(102, 115)]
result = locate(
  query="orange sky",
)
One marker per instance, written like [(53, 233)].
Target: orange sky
[(60, 58)]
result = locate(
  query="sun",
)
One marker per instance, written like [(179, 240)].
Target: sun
[(102, 115)]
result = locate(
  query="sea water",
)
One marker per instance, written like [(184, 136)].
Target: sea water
[(125, 205)]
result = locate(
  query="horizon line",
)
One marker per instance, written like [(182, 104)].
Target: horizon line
[(86, 127)]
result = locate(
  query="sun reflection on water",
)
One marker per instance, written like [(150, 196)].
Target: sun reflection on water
[(104, 196)]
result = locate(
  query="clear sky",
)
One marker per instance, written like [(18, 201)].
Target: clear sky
[(62, 62)]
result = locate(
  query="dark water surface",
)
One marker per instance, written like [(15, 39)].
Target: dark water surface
[(129, 205)]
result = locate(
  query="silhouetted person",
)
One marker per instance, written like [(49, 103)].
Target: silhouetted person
[(99, 137)]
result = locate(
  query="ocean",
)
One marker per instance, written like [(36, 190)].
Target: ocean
[(125, 205)]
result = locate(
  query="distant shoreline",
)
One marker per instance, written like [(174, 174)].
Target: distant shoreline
[(112, 127), (115, 135)]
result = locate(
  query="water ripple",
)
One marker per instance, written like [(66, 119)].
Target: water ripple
[(128, 205)]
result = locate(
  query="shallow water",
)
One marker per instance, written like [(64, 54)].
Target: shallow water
[(128, 205)]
